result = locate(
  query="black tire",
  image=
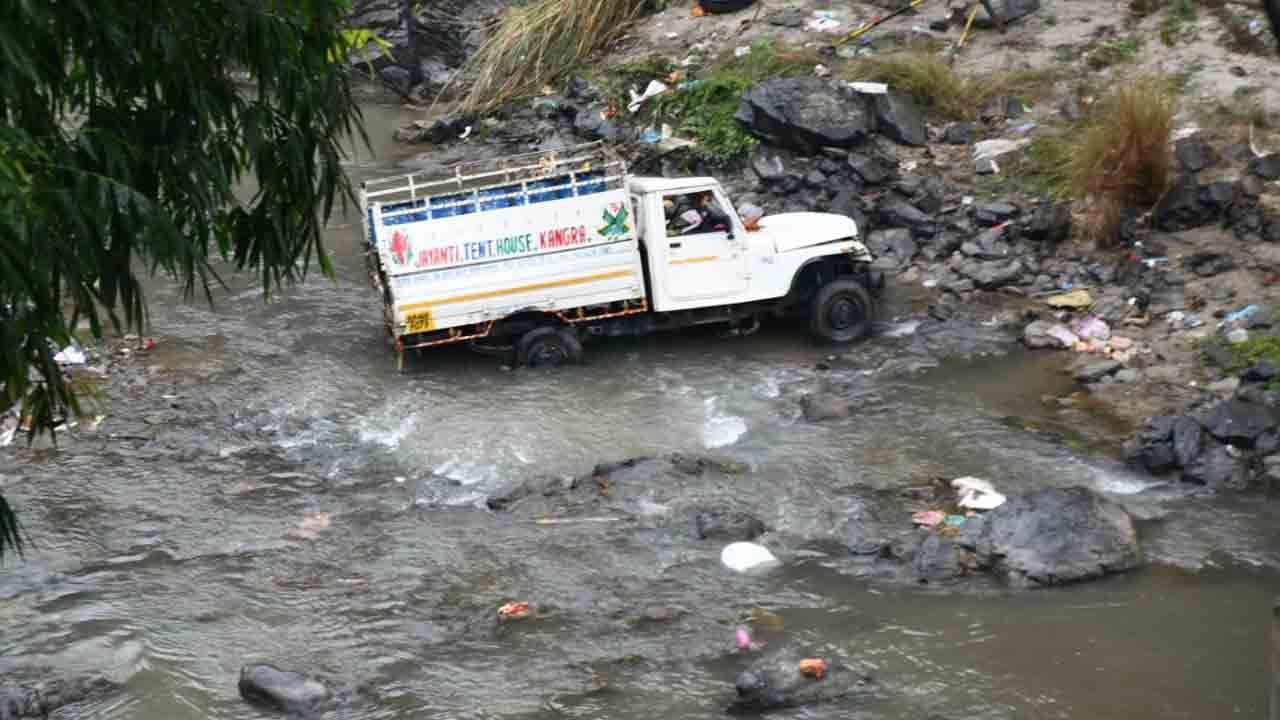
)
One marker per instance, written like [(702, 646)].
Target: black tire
[(842, 312), (716, 7), (549, 346)]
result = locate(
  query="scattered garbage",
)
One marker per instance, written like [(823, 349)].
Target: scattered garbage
[(1026, 127), (1238, 336), (465, 133), (992, 149), (1074, 300), (1063, 334), (1091, 327), (1179, 320), (654, 89), (72, 354), (977, 494), (743, 638), (515, 610), (824, 21), (869, 88), (821, 70), (742, 51), (929, 518), (1241, 314), (745, 557), (813, 668), (956, 520)]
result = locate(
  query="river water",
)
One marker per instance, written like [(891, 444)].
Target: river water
[(172, 544)]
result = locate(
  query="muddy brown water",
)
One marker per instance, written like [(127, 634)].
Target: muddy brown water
[(170, 560)]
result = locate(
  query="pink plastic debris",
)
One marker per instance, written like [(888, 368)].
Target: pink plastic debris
[(1091, 327), (743, 638), (929, 518)]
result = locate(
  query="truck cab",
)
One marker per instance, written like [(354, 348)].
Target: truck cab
[(531, 254)]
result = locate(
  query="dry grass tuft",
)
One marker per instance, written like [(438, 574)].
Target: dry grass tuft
[(536, 44), (945, 92), (1123, 159)]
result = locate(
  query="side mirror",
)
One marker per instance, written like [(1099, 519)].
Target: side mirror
[(730, 234)]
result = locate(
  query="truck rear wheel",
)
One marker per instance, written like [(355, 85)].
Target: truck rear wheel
[(842, 312), (549, 346)]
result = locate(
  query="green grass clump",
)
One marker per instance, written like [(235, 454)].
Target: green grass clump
[(1044, 166), (1114, 52), (704, 110), (1177, 21), (1256, 348), (944, 92)]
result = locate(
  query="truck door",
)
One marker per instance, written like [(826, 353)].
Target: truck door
[(706, 251)]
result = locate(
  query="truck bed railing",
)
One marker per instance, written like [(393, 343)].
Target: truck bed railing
[(518, 180)]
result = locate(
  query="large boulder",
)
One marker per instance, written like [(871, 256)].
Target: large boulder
[(1216, 467), (775, 681), (899, 119), (43, 698), (1240, 423), (283, 690), (806, 113), (1055, 536)]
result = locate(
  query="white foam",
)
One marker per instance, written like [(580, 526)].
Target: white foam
[(721, 429)]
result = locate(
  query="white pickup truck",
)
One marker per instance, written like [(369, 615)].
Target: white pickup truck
[(532, 254)]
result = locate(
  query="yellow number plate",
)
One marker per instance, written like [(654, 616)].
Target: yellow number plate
[(419, 322)]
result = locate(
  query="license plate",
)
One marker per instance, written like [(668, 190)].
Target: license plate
[(420, 322)]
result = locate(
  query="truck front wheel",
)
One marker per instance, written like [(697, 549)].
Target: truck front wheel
[(842, 312), (549, 346)]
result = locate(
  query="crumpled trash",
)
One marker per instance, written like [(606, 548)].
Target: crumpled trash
[(813, 668), (1063, 335), (1241, 314), (823, 21), (929, 518), (72, 354), (1180, 320), (1091, 327), (516, 610), (654, 89), (744, 557), (977, 494), (1074, 300), (956, 520), (869, 88), (992, 149), (743, 638)]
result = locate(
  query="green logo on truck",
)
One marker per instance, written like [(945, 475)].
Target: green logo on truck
[(615, 220)]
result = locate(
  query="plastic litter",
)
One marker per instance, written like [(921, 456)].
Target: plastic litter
[(1074, 300), (1026, 127), (977, 494), (992, 149), (650, 137), (72, 354), (742, 51), (743, 638), (956, 520), (1241, 314), (869, 88), (745, 557), (813, 668), (654, 89), (823, 21), (1063, 335), (821, 70), (1239, 336), (465, 133), (929, 518), (517, 610), (1091, 327)]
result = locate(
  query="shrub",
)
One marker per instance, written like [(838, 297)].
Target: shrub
[(944, 92), (1122, 158)]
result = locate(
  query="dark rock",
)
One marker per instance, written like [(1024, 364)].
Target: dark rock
[(1219, 195), (1216, 468), (995, 213), (282, 690), (397, 78), (1095, 371), (1267, 443), (900, 213), (995, 274), (1181, 208), (1036, 335), (898, 118), (941, 559), (1055, 536), (818, 408), (960, 133), (1218, 355), (1240, 423), (1259, 372), (591, 124), (1050, 223), (775, 682), (1266, 167), (1208, 263), (792, 17), (728, 526), (986, 166), (815, 179), (505, 497), (1194, 154), (46, 697), (1003, 108), (806, 113), (872, 170), (1188, 439)]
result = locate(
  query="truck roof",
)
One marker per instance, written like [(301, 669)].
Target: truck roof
[(667, 185)]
